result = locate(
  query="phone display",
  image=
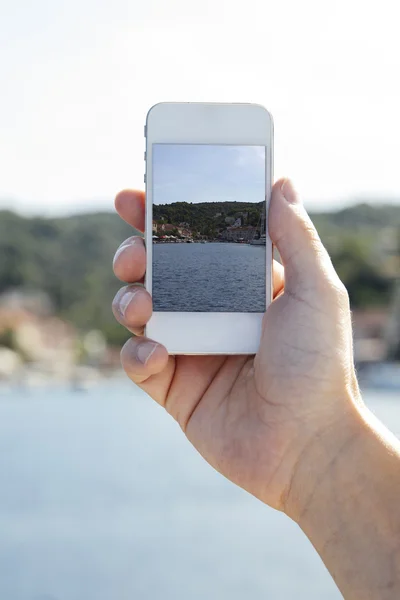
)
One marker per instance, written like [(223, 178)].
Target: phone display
[(209, 228)]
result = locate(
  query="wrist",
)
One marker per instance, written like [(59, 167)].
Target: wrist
[(344, 496), (328, 459)]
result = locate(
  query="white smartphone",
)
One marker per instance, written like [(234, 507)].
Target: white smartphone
[(209, 256)]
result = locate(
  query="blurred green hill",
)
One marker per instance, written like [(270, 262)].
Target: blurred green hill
[(361, 216), (364, 244), (70, 258)]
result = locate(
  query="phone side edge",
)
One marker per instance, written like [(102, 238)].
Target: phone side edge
[(269, 183)]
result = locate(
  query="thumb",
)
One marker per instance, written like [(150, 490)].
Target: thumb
[(303, 255)]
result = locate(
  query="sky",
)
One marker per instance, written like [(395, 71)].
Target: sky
[(206, 173), (77, 79)]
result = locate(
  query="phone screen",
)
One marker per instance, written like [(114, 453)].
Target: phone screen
[(209, 228)]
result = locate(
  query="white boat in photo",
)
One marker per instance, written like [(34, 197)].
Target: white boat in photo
[(262, 239)]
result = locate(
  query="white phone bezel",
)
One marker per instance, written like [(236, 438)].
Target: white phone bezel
[(198, 123)]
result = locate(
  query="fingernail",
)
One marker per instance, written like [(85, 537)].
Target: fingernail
[(124, 246), (290, 193), (125, 301), (145, 350)]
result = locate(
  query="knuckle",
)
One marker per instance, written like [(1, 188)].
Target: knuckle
[(340, 291), (338, 294)]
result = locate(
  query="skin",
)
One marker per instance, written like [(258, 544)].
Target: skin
[(289, 424)]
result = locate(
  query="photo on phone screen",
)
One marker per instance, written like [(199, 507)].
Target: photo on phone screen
[(209, 228)]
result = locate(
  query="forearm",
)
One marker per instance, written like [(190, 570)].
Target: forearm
[(351, 510)]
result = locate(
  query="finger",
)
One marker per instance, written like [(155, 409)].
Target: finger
[(130, 205), (132, 307), (303, 254), (278, 278), (130, 260), (147, 363)]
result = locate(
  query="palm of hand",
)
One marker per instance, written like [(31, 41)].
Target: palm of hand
[(248, 417)]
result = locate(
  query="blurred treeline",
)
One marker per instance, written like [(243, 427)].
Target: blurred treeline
[(364, 244), (70, 258)]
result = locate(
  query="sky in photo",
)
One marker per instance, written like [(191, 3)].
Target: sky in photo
[(77, 79), (208, 173)]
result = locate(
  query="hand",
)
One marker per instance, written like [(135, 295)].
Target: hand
[(257, 420)]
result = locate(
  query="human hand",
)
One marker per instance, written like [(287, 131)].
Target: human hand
[(261, 420)]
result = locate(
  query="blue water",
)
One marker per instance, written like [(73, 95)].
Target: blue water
[(101, 497), (209, 277)]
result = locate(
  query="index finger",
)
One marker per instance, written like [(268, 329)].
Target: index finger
[(130, 205)]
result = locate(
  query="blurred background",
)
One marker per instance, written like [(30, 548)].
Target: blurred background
[(101, 496)]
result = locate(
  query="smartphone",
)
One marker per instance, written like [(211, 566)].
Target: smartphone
[(209, 256)]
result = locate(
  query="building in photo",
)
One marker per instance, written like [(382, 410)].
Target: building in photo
[(236, 234)]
